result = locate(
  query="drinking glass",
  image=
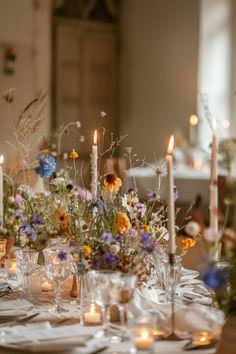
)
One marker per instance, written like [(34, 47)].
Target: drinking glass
[(26, 264), (57, 264), (168, 275), (126, 287), (105, 288)]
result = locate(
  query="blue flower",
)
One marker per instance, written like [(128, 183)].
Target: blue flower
[(149, 245), (62, 255), (107, 237), (215, 278), (95, 263), (109, 259), (47, 165)]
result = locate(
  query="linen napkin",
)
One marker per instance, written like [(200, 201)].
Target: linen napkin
[(189, 319)]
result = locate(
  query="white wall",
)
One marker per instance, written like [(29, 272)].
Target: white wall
[(28, 30), (159, 53)]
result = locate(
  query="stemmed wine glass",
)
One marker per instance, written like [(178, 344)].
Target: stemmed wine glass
[(57, 264), (168, 275)]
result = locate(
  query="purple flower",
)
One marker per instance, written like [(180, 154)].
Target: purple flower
[(33, 236), (151, 196), (18, 198), (18, 214), (214, 278), (85, 194), (119, 237), (149, 246), (176, 193), (62, 255), (145, 236), (26, 228), (107, 237), (109, 259), (95, 263), (36, 220)]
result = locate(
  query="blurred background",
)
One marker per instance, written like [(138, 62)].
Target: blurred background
[(149, 64)]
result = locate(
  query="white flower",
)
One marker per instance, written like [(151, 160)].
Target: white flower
[(57, 181), (192, 228), (211, 236), (115, 249), (81, 139), (65, 156), (164, 233), (125, 203), (11, 200), (103, 114), (78, 124)]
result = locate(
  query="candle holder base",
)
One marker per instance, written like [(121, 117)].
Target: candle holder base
[(173, 337)]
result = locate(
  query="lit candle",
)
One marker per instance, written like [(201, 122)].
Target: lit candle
[(193, 122), (202, 338), (94, 166), (144, 340), (12, 267), (171, 204), (46, 286), (213, 183), (1, 189), (92, 317)]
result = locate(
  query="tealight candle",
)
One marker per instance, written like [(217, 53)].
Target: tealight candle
[(144, 340), (12, 267), (202, 338), (46, 286), (93, 316)]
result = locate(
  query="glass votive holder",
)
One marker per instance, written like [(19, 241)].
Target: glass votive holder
[(11, 267), (46, 284), (91, 313), (143, 337)]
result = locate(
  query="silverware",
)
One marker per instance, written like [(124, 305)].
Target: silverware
[(28, 318)]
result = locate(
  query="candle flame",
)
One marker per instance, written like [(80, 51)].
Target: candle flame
[(214, 124), (1, 159), (171, 145), (93, 308), (144, 335), (193, 120), (95, 137)]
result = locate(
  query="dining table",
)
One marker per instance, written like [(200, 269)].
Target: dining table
[(39, 319)]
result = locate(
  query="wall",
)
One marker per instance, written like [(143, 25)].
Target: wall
[(28, 30), (159, 54)]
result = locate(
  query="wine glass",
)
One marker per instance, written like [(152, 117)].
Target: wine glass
[(57, 264), (168, 275), (105, 288)]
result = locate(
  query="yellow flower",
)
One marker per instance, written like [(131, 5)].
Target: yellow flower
[(146, 228), (122, 222), (187, 243), (87, 249), (112, 183), (74, 154)]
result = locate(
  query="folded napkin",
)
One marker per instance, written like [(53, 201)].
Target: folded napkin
[(189, 319), (44, 338), (14, 305)]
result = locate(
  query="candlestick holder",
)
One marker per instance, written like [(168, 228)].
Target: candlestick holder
[(172, 336)]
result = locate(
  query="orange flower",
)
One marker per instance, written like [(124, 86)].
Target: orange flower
[(187, 243), (122, 223), (112, 183), (62, 219), (74, 154), (87, 249), (146, 228)]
